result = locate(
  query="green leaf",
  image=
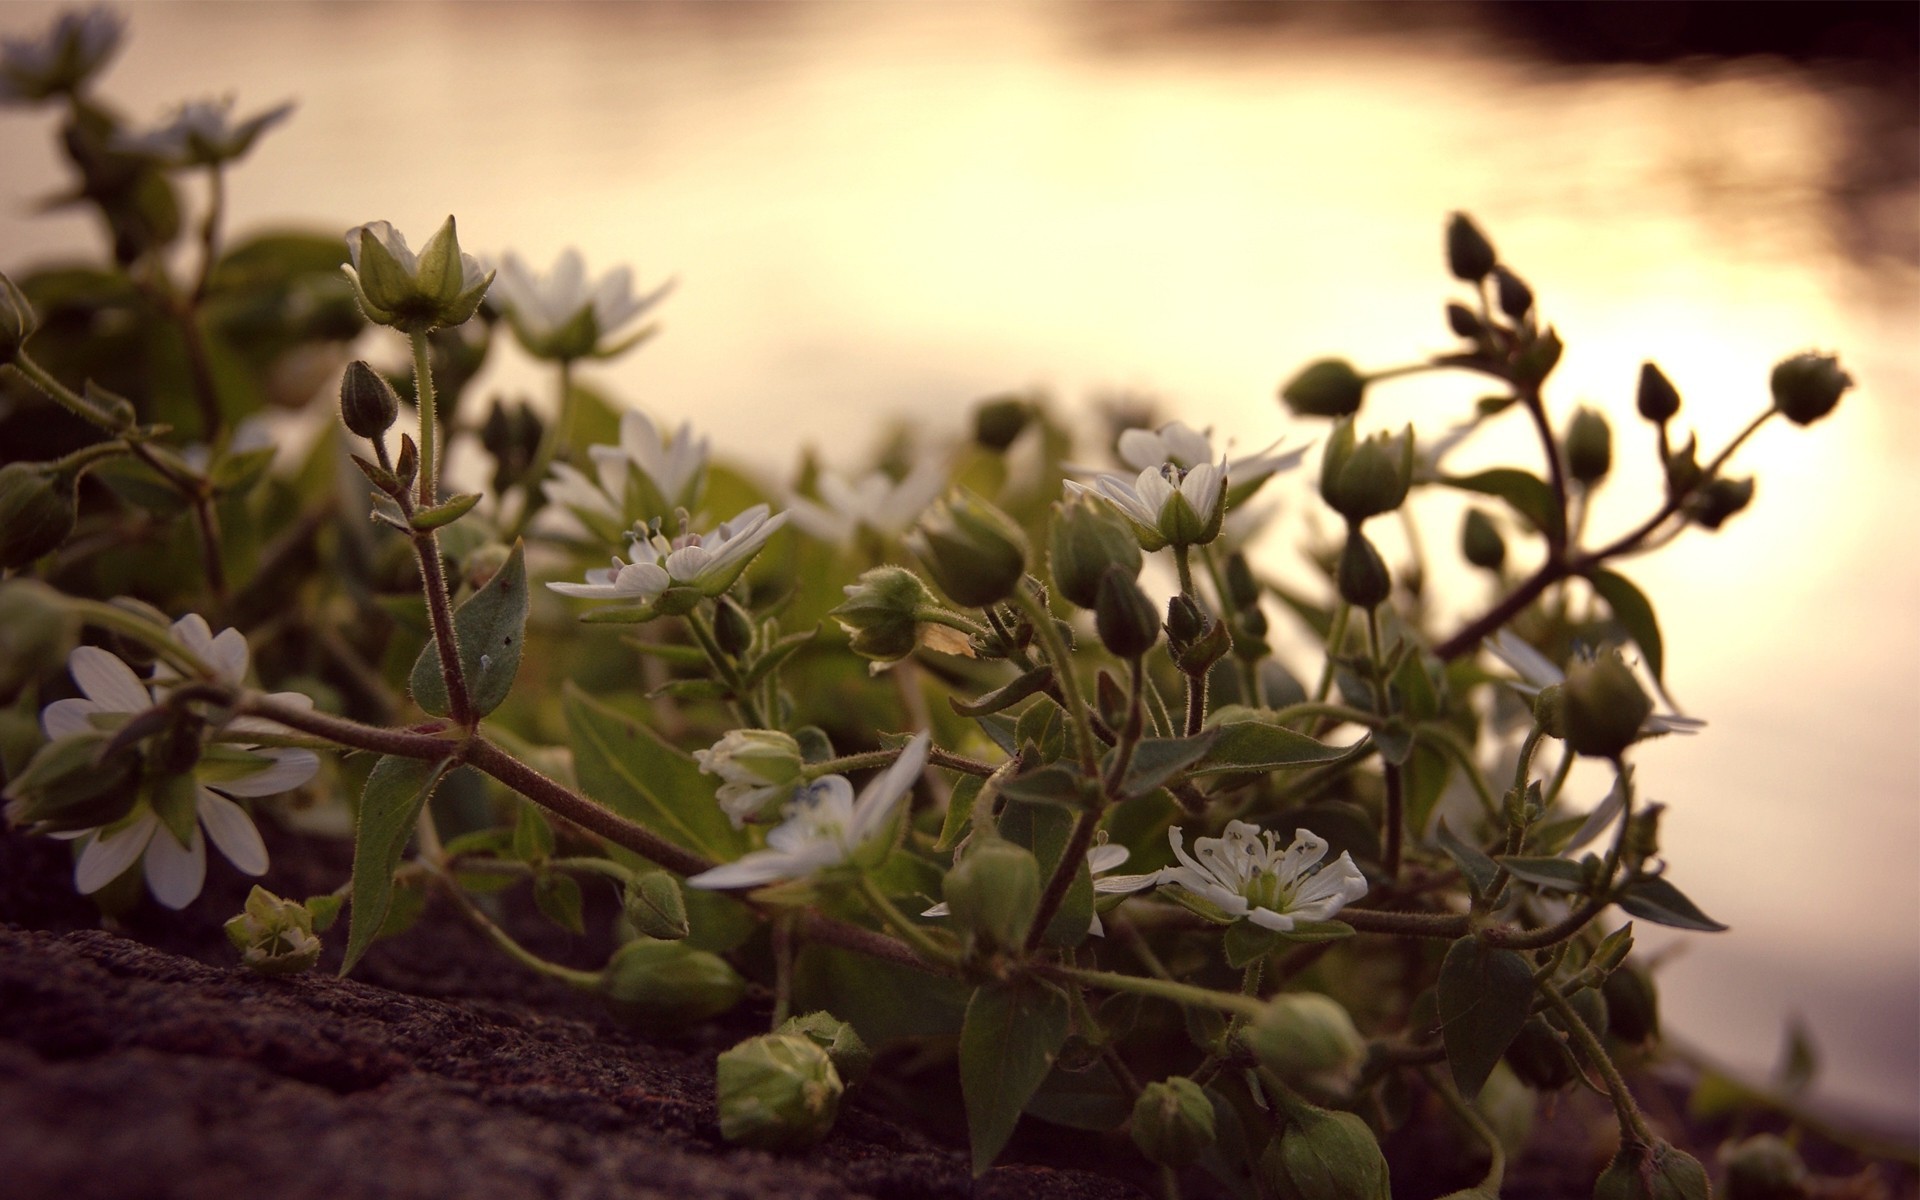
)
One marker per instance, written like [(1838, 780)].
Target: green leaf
[(1652, 898), (1527, 493), (1472, 861), (1395, 740), (1554, 874), (959, 812), (1156, 760), (777, 654), (238, 472), (397, 789), (1002, 698), (1255, 747), (1055, 783), (557, 895), (1008, 1042), (1635, 613), (324, 910), (446, 512), (627, 767), (1485, 997), (490, 628), (1090, 1099), (532, 835)]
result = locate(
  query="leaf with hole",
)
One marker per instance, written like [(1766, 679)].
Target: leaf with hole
[(489, 630)]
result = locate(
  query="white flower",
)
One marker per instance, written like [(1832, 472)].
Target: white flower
[(645, 476), (1538, 673), (874, 501), (414, 293), (174, 868), (708, 563), (61, 59), (825, 825), (564, 315), (1166, 504), (1186, 448), (756, 767), (1246, 873), (1100, 858), (201, 134)]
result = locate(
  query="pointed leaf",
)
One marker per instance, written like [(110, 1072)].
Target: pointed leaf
[(397, 789), (1528, 494), (1654, 899), (777, 654), (1485, 997), (625, 766), (558, 897), (446, 512), (1472, 861), (1008, 1042), (959, 816), (1156, 760), (490, 628), (1635, 613), (1255, 747), (1554, 874), (1052, 784)]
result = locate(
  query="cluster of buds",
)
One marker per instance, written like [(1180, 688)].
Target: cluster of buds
[(276, 936)]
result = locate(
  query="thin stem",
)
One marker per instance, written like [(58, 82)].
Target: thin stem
[(586, 981), (1396, 813), (433, 578), (936, 757), (1471, 1118), (1184, 994), (1632, 1124), (1064, 871), (429, 419), (157, 638), (742, 695), (1074, 702), (66, 397), (907, 931)]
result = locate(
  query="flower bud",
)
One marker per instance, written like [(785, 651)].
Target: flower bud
[(1604, 706), (1087, 538), (1307, 1038), (1362, 575), (840, 1040), (655, 907), (1481, 543), (1196, 640), (1807, 386), (1713, 505), (1633, 1007), (1469, 254), (1324, 1155), (274, 936), (1124, 617), (1764, 1167), (758, 769), (1537, 359), (1656, 1172), (1243, 590), (976, 553), (1589, 446), (1172, 1122), (1515, 297), (777, 1091), (668, 983), (1683, 468), (1463, 322), (37, 512), (17, 319), (368, 404), (511, 433), (731, 627), (998, 421), (1329, 387), (881, 613), (1362, 479), (994, 891), (439, 287), (68, 786), (37, 631), (1657, 398)]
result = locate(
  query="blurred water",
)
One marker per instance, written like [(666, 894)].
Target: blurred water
[(879, 211)]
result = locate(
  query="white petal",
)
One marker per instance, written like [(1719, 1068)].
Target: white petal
[(1105, 857), (1126, 883), (228, 656), (878, 800), (104, 858), (107, 681), (233, 832), (175, 872), (939, 910), (1266, 918), (290, 769), (1531, 665), (761, 866), (64, 717), (1142, 449)]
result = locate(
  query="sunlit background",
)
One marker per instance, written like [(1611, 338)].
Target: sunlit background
[(881, 211)]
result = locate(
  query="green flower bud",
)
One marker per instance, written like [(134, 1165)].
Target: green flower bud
[(1683, 468), (511, 433), (1362, 574), (368, 404), (994, 890), (1307, 1038), (996, 422), (1713, 505), (274, 936), (1243, 590), (1329, 387), (1087, 538), (1324, 1155), (668, 983), (1656, 1172), (37, 512), (1657, 398), (1633, 1007), (840, 1040), (731, 627), (1589, 446), (881, 613), (1469, 254), (1807, 386), (777, 1092), (1764, 1167), (1481, 543), (1124, 617), (37, 630), (1515, 297), (656, 908), (1196, 640), (1362, 479), (976, 553), (1604, 706), (1538, 358), (17, 319), (414, 293), (1464, 322), (1172, 1122), (69, 786)]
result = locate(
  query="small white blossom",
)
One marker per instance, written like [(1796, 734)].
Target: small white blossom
[(202, 132), (875, 502), (1538, 673), (1100, 859), (1246, 873), (646, 475), (825, 825), (707, 563), (74, 47), (1186, 448), (1166, 504), (175, 870), (388, 280), (563, 314), (757, 768)]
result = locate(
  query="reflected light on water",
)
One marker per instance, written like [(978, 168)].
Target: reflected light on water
[(879, 211)]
